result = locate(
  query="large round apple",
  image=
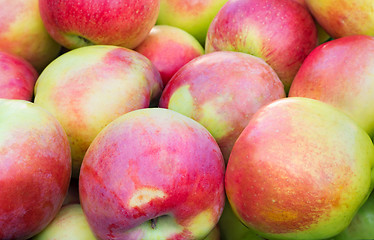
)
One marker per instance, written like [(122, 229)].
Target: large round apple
[(35, 168), (153, 174), (281, 32), (222, 90), (78, 23), (300, 170)]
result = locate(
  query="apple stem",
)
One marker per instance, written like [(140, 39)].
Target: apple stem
[(153, 223)]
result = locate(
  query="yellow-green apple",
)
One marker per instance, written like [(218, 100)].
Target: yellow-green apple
[(169, 48), (152, 174), (191, 16), (78, 23), (35, 168), (17, 77), (222, 90), (214, 234), (281, 32), (342, 18), (300, 170), (87, 88), (341, 73), (22, 33), (69, 224)]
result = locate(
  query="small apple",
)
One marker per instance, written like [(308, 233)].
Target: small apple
[(192, 16), (22, 33), (35, 167), (169, 48), (153, 174), (87, 88), (300, 170), (17, 77), (222, 90), (78, 23), (281, 32), (69, 224)]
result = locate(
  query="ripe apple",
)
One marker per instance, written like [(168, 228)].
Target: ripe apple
[(342, 18), (78, 23), (192, 16), (22, 33), (87, 88), (35, 168), (152, 174), (300, 170), (69, 224), (281, 32), (17, 77), (169, 48), (222, 90), (341, 73)]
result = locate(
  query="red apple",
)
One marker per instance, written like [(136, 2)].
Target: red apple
[(78, 23), (22, 33), (17, 77), (152, 174), (169, 48), (281, 32), (35, 168), (341, 73), (87, 88), (300, 170), (222, 90)]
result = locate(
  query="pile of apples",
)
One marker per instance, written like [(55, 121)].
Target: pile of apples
[(176, 119)]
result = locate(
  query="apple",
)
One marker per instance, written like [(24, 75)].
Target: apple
[(192, 16), (35, 168), (281, 32), (22, 33), (69, 224), (222, 90), (300, 170), (341, 73), (78, 23), (87, 88), (17, 77), (342, 18), (169, 48), (152, 174), (214, 234)]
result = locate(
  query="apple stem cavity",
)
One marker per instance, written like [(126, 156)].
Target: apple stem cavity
[(153, 223)]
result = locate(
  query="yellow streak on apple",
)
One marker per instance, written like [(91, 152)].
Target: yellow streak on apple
[(144, 196), (182, 101), (199, 226)]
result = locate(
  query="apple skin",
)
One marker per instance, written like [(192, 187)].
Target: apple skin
[(87, 88), (342, 18), (281, 32), (22, 33), (222, 90), (69, 224), (192, 16), (169, 48), (152, 165), (341, 73), (35, 168), (17, 77), (214, 234), (300, 170), (78, 23)]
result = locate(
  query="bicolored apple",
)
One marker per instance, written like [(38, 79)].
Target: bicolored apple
[(87, 88), (35, 167), (17, 77), (341, 73), (282, 32), (169, 48), (301, 169), (22, 33), (192, 16), (222, 90), (153, 174), (342, 18), (78, 23)]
